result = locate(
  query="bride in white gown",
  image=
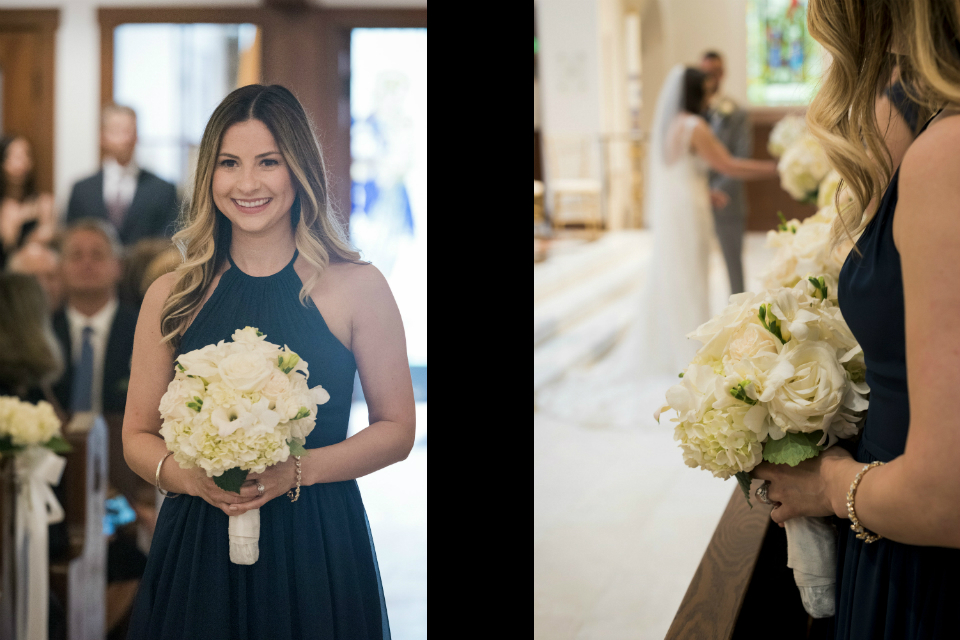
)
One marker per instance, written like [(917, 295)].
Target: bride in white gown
[(626, 386)]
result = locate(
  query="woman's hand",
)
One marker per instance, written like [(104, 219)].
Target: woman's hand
[(807, 489), (276, 480), (198, 484)]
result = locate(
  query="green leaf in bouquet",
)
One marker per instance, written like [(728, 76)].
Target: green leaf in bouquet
[(58, 445), (180, 366), (287, 364), (259, 333), (743, 479), (197, 404), (7, 446), (296, 449), (303, 413), (772, 324), (231, 479), (793, 448), (740, 392), (681, 374), (819, 285)]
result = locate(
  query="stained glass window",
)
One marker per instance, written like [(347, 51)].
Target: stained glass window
[(783, 61)]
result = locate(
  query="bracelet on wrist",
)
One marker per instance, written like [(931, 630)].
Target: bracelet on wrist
[(290, 494), (855, 526), (165, 494)]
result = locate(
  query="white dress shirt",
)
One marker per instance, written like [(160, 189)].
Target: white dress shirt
[(100, 322), (119, 182)]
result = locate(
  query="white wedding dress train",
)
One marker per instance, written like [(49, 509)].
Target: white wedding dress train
[(627, 385)]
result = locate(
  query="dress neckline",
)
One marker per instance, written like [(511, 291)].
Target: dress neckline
[(233, 265)]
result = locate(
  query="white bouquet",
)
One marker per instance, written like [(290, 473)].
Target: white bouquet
[(779, 377), (236, 407), (30, 434), (802, 167), (804, 249), (785, 133)]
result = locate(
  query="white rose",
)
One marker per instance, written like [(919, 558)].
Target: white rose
[(716, 332), (806, 388), (180, 391), (802, 167), (247, 371), (201, 362), (276, 385), (249, 338), (749, 340)]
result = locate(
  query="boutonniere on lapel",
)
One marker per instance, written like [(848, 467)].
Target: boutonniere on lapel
[(726, 107)]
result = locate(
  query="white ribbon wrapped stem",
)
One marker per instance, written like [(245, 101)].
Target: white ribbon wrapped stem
[(812, 554), (37, 470), (244, 533)]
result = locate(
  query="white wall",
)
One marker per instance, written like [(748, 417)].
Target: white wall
[(77, 86)]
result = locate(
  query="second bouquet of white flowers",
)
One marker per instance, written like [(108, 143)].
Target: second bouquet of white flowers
[(780, 377), (236, 407)]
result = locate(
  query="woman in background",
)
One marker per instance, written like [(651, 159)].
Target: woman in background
[(25, 215)]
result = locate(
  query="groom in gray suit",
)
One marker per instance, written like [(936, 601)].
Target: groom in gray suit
[(732, 126)]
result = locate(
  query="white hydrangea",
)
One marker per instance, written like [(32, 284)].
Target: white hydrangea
[(238, 405), (802, 167), (27, 424), (785, 133)]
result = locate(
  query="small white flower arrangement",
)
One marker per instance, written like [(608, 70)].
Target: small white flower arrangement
[(785, 133), (236, 407), (804, 249), (24, 425)]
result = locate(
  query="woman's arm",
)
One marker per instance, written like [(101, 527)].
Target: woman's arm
[(914, 498), (380, 348), (150, 373), (712, 150)]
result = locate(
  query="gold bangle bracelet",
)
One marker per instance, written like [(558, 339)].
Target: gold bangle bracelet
[(165, 494), (855, 526)]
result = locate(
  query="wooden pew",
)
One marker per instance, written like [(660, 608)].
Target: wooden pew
[(743, 588), (80, 581)]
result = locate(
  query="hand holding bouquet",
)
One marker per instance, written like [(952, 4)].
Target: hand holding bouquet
[(237, 407), (780, 377)]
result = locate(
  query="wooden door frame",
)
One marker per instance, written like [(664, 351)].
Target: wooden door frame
[(45, 23), (305, 48)]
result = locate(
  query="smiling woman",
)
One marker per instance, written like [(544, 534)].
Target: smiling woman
[(263, 249)]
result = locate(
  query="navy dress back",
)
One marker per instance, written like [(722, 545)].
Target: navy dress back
[(887, 589), (317, 576)]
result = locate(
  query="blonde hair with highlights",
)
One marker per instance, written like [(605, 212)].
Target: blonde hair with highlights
[(860, 36), (204, 235)]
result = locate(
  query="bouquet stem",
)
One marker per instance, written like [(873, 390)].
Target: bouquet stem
[(812, 554), (244, 533)]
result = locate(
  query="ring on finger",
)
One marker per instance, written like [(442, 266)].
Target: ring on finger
[(761, 493), (260, 489)]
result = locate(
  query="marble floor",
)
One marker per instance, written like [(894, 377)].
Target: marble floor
[(395, 499), (620, 523)]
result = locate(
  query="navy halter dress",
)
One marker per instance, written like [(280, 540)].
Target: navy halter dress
[(887, 589), (317, 576)]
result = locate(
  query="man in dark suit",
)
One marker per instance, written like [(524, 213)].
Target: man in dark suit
[(731, 124), (95, 332), (138, 203)]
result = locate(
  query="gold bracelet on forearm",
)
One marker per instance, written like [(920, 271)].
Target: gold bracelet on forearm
[(165, 494), (294, 497), (855, 526)]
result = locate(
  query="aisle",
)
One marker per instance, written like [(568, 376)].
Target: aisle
[(620, 522)]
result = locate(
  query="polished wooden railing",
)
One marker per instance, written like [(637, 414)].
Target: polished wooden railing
[(743, 588)]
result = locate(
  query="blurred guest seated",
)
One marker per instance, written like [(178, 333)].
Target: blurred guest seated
[(25, 215), (138, 203), (30, 356), (43, 263), (138, 261), (95, 331)]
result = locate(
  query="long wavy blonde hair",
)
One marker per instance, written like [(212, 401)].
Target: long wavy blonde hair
[(205, 233), (860, 36)]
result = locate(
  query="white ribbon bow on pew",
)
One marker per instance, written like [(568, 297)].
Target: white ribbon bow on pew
[(37, 470)]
